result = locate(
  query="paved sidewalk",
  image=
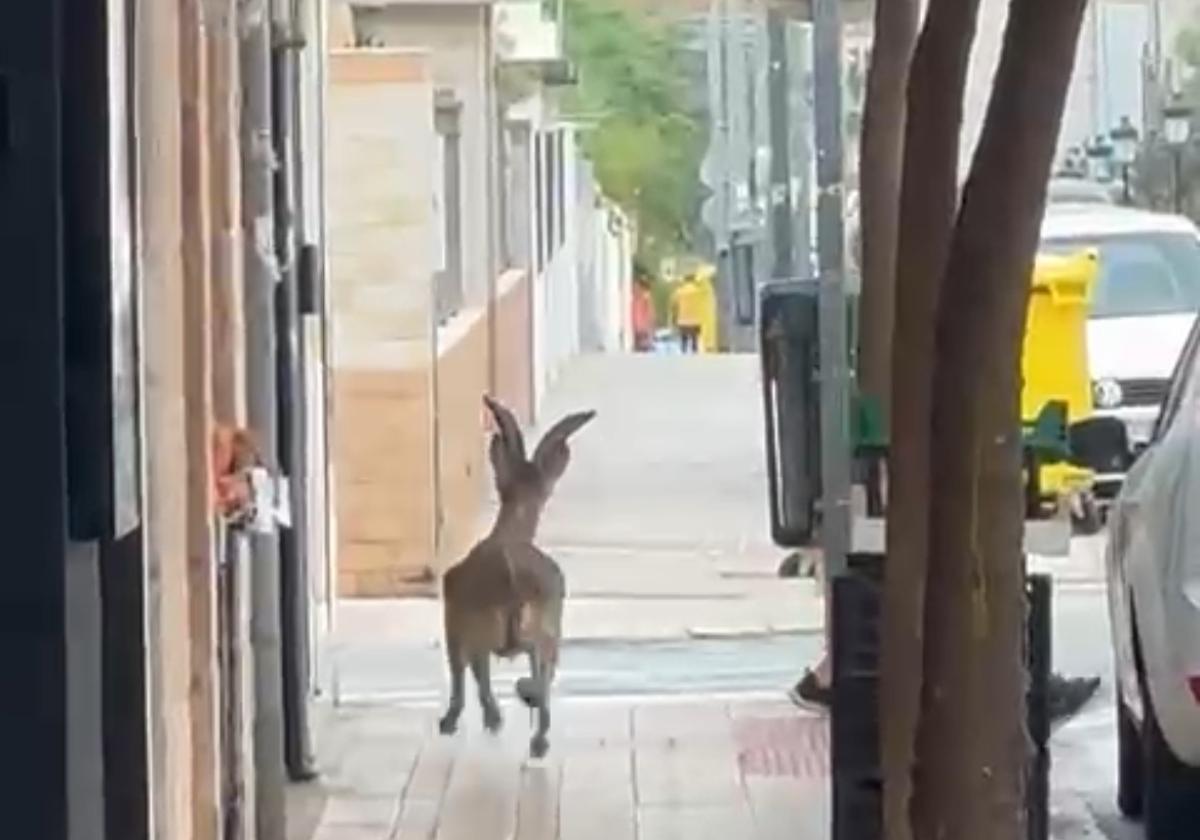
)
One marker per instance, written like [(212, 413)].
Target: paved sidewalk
[(704, 770), (661, 527)]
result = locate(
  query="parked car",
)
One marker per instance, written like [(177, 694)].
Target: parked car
[(1153, 568), (1064, 190), (1144, 304)]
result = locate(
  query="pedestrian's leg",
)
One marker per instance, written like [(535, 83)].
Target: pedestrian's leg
[(824, 669), (815, 686)]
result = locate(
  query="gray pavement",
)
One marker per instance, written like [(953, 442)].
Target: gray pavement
[(673, 460)]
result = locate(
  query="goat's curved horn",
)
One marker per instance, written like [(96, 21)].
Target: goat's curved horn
[(509, 429), (560, 432)]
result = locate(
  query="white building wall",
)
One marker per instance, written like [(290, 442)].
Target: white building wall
[(457, 36)]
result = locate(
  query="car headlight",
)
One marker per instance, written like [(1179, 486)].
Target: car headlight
[(1107, 393)]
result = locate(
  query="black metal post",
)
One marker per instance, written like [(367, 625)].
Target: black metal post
[(261, 279), (857, 777), (293, 548), (1177, 154), (1039, 635)]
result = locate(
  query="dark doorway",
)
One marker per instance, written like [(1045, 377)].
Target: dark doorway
[(72, 597)]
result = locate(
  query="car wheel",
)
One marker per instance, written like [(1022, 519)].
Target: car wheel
[(1171, 794), (1129, 763)]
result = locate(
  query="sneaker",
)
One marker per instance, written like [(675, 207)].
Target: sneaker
[(1067, 696), (809, 693)]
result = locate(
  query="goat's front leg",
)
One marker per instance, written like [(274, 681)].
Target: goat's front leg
[(481, 667), (449, 722)]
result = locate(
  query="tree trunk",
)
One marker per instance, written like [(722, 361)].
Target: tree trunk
[(880, 159), (928, 202), (974, 747)]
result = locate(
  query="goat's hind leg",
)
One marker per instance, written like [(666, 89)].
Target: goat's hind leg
[(534, 692), (481, 667), (454, 656)]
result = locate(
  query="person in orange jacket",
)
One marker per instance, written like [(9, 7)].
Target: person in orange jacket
[(643, 311)]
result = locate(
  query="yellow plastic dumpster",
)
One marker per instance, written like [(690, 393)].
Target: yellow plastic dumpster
[(705, 277), (1054, 357)]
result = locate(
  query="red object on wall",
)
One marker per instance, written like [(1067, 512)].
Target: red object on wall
[(643, 317)]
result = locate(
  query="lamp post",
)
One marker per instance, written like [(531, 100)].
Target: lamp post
[(1177, 130), (1125, 147)]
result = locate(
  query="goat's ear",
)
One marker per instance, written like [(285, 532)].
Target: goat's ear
[(552, 454), (507, 449)]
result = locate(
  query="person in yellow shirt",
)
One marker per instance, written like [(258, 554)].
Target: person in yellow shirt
[(687, 313)]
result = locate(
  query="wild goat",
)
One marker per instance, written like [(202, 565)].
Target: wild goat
[(506, 597)]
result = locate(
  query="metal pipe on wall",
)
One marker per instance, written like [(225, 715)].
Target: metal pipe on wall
[(293, 546), (261, 282)]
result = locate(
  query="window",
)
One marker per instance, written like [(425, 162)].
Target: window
[(539, 201), (448, 285), (549, 210), (1184, 381), (519, 197), (561, 183), (744, 282), (1141, 274)]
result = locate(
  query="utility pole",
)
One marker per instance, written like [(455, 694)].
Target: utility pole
[(262, 279), (834, 349), (781, 212)]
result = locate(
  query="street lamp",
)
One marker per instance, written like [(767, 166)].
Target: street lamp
[(1177, 130), (1125, 149)]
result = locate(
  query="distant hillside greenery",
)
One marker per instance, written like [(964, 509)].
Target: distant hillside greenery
[(645, 144)]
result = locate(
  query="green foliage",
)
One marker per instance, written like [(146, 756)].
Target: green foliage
[(646, 145)]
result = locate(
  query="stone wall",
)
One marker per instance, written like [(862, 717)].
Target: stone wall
[(409, 432), (380, 183)]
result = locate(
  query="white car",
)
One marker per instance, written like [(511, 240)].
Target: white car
[(1154, 606), (1078, 191), (1143, 308)]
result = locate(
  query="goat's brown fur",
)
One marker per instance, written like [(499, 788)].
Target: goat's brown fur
[(506, 596)]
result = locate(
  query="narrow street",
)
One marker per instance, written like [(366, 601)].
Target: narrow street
[(671, 719)]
